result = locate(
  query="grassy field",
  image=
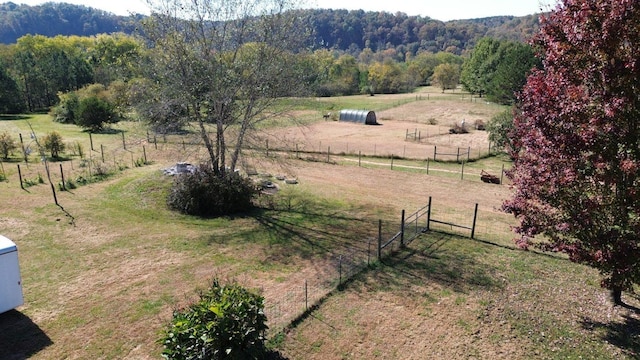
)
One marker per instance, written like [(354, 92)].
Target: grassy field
[(103, 270)]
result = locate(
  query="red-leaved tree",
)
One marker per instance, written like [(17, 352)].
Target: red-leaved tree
[(577, 172)]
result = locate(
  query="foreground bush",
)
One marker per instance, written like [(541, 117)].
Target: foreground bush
[(228, 322), (204, 193)]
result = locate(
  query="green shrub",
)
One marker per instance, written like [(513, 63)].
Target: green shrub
[(204, 193), (227, 322)]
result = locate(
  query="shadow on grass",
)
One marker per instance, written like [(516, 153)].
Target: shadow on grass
[(441, 258), (624, 335), (13, 117), (20, 338), (308, 232)]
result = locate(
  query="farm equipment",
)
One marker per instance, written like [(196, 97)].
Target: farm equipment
[(488, 178)]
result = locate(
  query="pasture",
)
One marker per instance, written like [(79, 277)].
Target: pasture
[(103, 270)]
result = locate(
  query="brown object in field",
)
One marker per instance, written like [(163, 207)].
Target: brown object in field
[(488, 178)]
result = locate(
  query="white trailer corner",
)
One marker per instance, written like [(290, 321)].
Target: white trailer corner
[(10, 281)]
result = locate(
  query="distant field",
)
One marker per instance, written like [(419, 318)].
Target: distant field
[(103, 271)]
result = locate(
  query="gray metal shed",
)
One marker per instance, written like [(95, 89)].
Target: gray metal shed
[(359, 116)]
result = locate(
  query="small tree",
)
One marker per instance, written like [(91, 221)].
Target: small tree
[(227, 322), (499, 128), (52, 142), (7, 145), (446, 76), (94, 113)]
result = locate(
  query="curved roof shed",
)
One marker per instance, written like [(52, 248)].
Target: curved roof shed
[(359, 116)]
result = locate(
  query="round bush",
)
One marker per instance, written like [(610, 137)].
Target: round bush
[(227, 322), (205, 193)]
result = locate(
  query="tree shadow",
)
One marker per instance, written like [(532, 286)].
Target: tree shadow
[(9, 117), (20, 337), (433, 257), (625, 335)]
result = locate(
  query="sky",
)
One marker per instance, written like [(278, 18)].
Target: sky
[(443, 10)]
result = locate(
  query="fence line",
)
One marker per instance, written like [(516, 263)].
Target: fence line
[(475, 223)]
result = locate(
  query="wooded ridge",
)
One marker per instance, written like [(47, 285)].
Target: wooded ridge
[(348, 31)]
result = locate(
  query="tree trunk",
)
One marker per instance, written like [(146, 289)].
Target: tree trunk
[(616, 296)]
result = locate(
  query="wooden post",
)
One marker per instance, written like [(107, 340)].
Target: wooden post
[(435, 153), (64, 186), (379, 240), (429, 214), (297, 152), (155, 141), (306, 296), (124, 144), (144, 153), (462, 172), (340, 270), (427, 166), (473, 227), (501, 174), (391, 161), (458, 155), (267, 146), (469, 153), (102, 152), (91, 141), (359, 158), (24, 151), (20, 176), (402, 230), (328, 153)]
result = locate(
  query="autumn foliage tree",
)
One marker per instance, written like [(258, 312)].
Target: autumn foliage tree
[(577, 175)]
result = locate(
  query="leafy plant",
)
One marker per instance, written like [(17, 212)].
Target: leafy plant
[(53, 143), (227, 322), (7, 145)]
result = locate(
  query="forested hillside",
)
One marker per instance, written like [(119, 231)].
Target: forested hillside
[(350, 31)]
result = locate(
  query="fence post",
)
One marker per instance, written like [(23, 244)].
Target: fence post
[(340, 270), (402, 230), (458, 156), (124, 143), (427, 166), (24, 151), (473, 227), (391, 161), (64, 187), (328, 154), (369, 252), (306, 296), (297, 152), (469, 153), (359, 158), (429, 214), (102, 152), (434, 152), (379, 238), (144, 153), (20, 176), (501, 174), (91, 141), (267, 146), (462, 171)]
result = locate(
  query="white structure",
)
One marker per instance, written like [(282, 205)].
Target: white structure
[(10, 282)]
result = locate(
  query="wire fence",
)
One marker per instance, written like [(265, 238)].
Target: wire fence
[(477, 222)]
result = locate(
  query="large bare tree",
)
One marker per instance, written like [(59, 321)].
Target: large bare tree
[(227, 61)]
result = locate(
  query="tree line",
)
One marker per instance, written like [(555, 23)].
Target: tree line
[(350, 31)]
